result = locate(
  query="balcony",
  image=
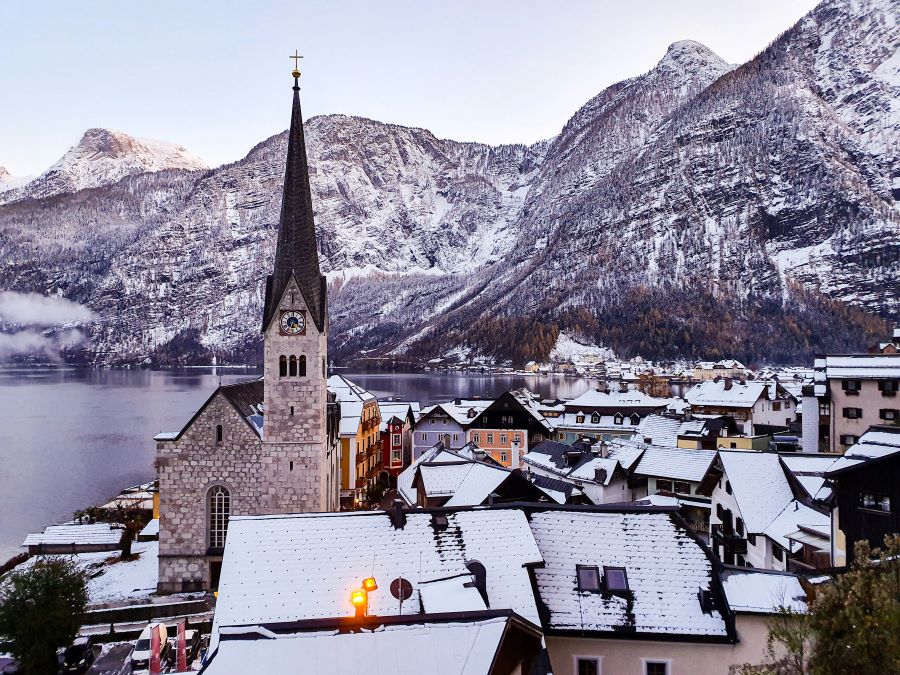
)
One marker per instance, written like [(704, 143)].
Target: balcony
[(732, 542), (360, 457)]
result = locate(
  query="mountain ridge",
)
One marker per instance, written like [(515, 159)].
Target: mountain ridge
[(691, 196)]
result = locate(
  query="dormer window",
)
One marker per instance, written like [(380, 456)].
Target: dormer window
[(618, 418), (579, 419), (635, 419), (595, 419), (588, 578), (615, 580)]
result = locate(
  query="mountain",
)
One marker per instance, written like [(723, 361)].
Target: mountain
[(8, 181), (103, 157), (697, 209)]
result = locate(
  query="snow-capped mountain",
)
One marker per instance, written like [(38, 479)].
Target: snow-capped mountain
[(9, 182), (699, 208), (103, 157)]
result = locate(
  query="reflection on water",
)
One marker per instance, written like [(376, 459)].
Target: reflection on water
[(70, 438)]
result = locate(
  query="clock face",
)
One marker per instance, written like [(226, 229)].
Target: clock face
[(292, 322)]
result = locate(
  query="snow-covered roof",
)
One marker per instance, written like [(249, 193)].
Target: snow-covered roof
[(459, 409), (632, 398), (151, 529), (551, 456), (857, 367), (791, 518), (664, 565), (398, 409), (759, 485), (762, 591), (558, 490), (874, 444), (435, 454), (353, 399), (713, 393), (98, 533), (305, 566), (809, 470), (457, 648), (676, 463)]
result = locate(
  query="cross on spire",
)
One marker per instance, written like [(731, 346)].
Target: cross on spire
[(296, 58)]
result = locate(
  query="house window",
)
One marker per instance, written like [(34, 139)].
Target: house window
[(739, 526), (656, 668), (727, 487), (588, 578), (852, 413), (517, 438), (888, 414), (455, 437), (595, 419), (503, 438), (301, 366), (219, 511), (395, 456), (662, 484), (824, 409), (888, 387), (733, 444), (587, 666), (615, 580), (776, 405), (579, 419), (618, 419), (219, 433), (682, 487), (874, 502), (635, 419), (282, 366), (561, 436), (777, 552), (292, 366), (490, 439), (849, 439), (851, 387), (395, 439), (504, 458)]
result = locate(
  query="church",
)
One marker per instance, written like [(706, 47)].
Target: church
[(267, 446)]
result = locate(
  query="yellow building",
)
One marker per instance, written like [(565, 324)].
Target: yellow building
[(360, 441)]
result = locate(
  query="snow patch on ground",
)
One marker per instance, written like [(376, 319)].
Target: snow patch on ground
[(571, 349)]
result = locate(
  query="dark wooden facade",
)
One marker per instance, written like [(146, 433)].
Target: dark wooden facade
[(508, 413)]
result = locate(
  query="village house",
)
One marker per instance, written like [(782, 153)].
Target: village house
[(396, 429), (758, 407), (446, 423), (890, 347), (479, 590), (604, 415), (259, 447), (709, 370), (759, 510), (671, 431), (866, 500), (437, 453), (850, 394), (509, 426), (595, 476), (359, 437)]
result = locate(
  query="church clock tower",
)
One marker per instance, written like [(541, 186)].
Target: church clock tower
[(295, 332)]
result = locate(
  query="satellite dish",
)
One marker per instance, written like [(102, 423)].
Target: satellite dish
[(401, 589)]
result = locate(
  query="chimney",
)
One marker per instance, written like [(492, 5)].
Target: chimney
[(728, 383), (397, 515), (458, 401)]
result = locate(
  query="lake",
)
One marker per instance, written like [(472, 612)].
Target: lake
[(71, 438)]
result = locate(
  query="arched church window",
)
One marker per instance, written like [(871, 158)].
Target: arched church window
[(282, 367), (219, 512), (292, 366), (302, 366)]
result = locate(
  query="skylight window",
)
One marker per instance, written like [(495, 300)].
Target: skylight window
[(588, 578), (615, 580)]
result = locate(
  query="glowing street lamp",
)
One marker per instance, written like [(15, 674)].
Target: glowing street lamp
[(360, 600), (369, 584)]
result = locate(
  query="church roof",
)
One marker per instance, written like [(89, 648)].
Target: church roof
[(296, 253)]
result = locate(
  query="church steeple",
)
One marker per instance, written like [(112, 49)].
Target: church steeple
[(296, 254)]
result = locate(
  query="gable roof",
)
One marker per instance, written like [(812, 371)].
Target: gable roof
[(551, 456), (458, 410), (876, 444), (751, 591), (245, 397), (664, 564), (713, 393), (676, 463), (295, 567), (624, 401), (759, 486)]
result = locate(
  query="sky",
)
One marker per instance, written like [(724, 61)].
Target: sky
[(215, 76)]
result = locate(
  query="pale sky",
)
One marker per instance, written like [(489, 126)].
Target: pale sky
[(215, 77)]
